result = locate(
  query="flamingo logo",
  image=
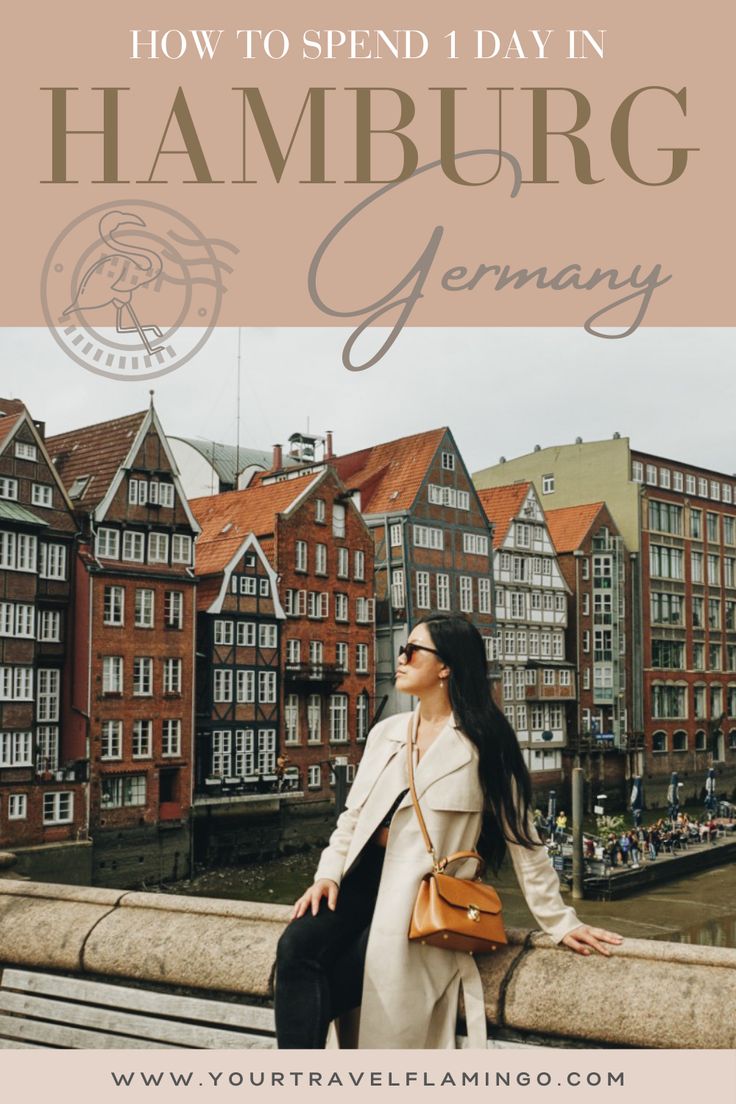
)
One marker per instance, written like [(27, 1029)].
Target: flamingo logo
[(132, 290)]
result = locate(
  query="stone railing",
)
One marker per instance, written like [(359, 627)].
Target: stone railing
[(648, 994)]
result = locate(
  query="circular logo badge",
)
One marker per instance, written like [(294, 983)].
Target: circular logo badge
[(131, 290)]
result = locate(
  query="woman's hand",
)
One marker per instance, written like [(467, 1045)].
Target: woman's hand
[(311, 899), (583, 938)]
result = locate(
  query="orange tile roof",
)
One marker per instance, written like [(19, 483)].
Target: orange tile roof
[(569, 526), (389, 475), (502, 505), (227, 519), (96, 450), (207, 591)]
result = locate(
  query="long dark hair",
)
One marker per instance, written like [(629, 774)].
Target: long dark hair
[(503, 772)]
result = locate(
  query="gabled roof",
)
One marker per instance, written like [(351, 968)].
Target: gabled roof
[(569, 526), (389, 476), (502, 505), (11, 412), (98, 451), (227, 519)]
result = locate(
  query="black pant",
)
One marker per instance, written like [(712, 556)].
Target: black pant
[(320, 959)]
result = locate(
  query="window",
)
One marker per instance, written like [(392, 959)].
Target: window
[(361, 717), (522, 533), (123, 790), (111, 740), (144, 605), (223, 632), (729, 529), (42, 495), (137, 492), (17, 806), (398, 593), (25, 451), (666, 562), (181, 548), (58, 808), (314, 777), (714, 570), (142, 676), (320, 559), (443, 591), (365, 609), (314, 719), (301, 556), (291, 719), (700, 740), (668, 653), (173, 609), (166, 496), (428, 537), (319, 510), (141, 739), (341, 656), (448, 461), (113, 605), (47, 699), (518, 603), (248, 585), (665, 517), (107, 544), (548, 484), (448, 496), (47, 747), (221, 749), (172, 676), (714, 657), (246, 634), (16, 749), (423, 590), (394, 535), (49, 625), (484, 596), (245, 686), (652, 475), (466, 594), (711, 521), (666, 608), (637, 471), (267, 687), (715, 490), (696, 524), (343, 563), (338, 718), (475, 543), (53, 561), (338, 520), (267, 636), (171, 738), (133, 546), (664, 478), (714, 613), (585, 568), (668, 701), (293, 652), (266, 761), (359, 565), (112, 675), (698, 657), (361, 658), (316, 655), (341, 607), (158, 548), (659, 742), (222, 685), (677, 481), (699, 702), (8, 488)]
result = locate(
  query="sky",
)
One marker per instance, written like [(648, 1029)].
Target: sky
[(501, 391)]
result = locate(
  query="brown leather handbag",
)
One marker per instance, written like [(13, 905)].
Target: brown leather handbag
[(458, 914)]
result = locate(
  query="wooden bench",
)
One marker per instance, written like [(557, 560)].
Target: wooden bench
[(54, 1010)]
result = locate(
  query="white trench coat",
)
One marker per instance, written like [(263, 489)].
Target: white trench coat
[(411, 991)]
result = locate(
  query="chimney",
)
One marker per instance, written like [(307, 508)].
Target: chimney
[(278, 458), (328, 445)]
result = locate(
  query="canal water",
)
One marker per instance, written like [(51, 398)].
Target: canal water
[(699, 908)]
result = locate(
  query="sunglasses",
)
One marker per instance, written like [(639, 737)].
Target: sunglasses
[(408, 650)]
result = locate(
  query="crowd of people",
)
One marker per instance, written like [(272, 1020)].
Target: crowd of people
[(631, 847)]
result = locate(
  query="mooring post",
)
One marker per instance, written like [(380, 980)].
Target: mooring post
[(578, 866)]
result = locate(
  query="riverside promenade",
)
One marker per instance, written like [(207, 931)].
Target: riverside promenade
[(84, 967), (622, 880)]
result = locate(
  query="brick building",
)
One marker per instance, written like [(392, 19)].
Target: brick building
[(317, 543), (43, 766), (134, 643), (597, 567), (678, 522), (432, 540), (537, 685)]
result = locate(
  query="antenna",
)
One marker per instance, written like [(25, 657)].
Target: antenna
[(237, 418)]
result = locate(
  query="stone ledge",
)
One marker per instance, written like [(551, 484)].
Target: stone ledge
[(637, 997)]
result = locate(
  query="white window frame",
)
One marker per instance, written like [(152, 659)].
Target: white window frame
[(171, 738), (42, 494), (58, 807)]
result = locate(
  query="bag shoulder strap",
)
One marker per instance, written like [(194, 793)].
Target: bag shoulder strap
[(439, 864)]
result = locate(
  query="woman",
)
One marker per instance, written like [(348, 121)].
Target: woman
[(474, 789)]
